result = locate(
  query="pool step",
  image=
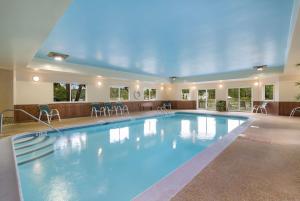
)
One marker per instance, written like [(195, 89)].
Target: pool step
[(35, 147), (24, 140), (30, 143), (35, 155)]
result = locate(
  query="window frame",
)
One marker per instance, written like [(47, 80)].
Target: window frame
[(119, 93), (188, 96), (149, 95), (264, 92)]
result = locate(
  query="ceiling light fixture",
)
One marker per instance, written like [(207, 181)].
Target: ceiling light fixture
[(260, 68), (173, 78), (36, 78), (57, 56)]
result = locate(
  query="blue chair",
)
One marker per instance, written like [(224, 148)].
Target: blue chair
[(97, 108), (110, 108), (122, 107), (50, 113)]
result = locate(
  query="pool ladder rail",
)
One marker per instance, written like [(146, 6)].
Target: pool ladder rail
[(28, 114)]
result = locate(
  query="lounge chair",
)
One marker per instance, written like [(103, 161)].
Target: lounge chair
[(167, 105), (110, 108), (97, 108), (50, 113), (296, 109), (262, 108), (122, 107)]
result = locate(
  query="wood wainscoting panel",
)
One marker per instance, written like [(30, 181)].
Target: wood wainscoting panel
[(285, 108), (83, 109), (272, 107)]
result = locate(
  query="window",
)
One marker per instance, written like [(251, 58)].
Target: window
[(269, 92), (149, 94), (119, 93), (185, 94), (78, 92), (64, 92)]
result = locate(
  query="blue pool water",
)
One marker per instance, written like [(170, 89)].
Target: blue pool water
[(115, 161)]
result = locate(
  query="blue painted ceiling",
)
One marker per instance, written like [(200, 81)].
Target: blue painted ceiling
[(173, 37)]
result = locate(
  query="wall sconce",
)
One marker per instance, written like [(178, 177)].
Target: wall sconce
[(99, 83), (256, 83), (162, 88), (220, 86), (137, 87), (193, 88), (36, 78)]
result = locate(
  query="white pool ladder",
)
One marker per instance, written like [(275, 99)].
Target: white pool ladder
[(28, 114)]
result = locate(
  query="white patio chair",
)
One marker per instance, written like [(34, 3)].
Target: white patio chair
[(296, 109), (262, 108), (50, 113)]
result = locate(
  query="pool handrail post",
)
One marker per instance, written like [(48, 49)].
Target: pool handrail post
[(28, 114)]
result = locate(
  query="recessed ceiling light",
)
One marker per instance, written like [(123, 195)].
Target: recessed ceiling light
[(57, 56), (99, 76), (173, 78), (260, 68), (36, 78)]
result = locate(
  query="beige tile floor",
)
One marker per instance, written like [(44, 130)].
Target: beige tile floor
[(263, 164)]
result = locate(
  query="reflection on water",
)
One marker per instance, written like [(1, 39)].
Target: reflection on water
[(150, 127), (233, 123), (185, 129), (75, 142), (206, 128), (118, 134), (174, 144)]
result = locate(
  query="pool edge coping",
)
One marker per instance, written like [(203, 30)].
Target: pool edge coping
[(171, 184)]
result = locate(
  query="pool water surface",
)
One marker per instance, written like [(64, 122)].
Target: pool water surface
[(115, 161)]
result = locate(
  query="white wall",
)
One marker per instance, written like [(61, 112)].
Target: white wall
[(288, 89), (6, 89), (174, 91), (30, 92)]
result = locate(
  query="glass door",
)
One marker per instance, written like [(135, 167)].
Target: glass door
[(207, 99), (240, 99), (233, 99), (211, 99), (202, 99), (245, 99)]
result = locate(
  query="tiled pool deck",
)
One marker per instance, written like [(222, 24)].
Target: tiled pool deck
[(261, 164)]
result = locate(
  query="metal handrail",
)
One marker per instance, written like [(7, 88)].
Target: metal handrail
[(30, 115)]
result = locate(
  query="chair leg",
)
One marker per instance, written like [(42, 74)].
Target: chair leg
[(40, 116), (48, 118)]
